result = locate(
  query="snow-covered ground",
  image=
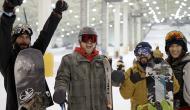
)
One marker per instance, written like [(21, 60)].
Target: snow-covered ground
[(155, 38)]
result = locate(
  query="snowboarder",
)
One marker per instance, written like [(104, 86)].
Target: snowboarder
[(82, 76), (179, 59), (11, 44), (134, 87), (120, 64)]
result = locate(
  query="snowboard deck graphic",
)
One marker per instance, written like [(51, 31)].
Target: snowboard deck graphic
[(30, 79), (160, 85)]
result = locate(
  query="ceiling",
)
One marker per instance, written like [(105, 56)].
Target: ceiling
[(151, 11)]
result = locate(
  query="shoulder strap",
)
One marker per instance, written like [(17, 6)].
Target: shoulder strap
[(108, 71)]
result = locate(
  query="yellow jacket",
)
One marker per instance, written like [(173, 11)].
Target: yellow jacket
[(137, 93)]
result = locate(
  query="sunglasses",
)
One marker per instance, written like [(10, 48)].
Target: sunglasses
[(143, 51), (174, 35), (88, 37)]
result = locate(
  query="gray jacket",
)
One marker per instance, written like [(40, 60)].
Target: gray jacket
[(84, 81), (186, 77)]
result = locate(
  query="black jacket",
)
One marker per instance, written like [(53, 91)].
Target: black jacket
[(8, 54)]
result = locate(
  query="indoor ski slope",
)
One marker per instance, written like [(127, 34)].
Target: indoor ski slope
[(155, 37)]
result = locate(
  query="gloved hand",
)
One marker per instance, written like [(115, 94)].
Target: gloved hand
[(15, 3), (135, 77), (59, 96), (60, 6), (8, 7), (117, 77)]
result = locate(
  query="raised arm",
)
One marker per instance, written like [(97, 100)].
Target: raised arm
[(6, 23), (50, 26)]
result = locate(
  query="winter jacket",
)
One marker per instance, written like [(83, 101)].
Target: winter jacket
[(182, 73), (84, 81), (137, 92), (8, 54)]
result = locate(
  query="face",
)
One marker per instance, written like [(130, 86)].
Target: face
[(23, 41), (144, 59), (88, 46), (175, 50)]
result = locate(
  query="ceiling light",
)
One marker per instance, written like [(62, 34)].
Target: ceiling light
[(114, 10), (131, 4), (144, 14), (125, 1), (68, 34), (183, 4), (144, 0), (157, 8), (24, 1), (70, 11), (62, 36), (53, 5), (150, 8), (177, 2), (94, 10), (37, 23), (110, 6), (147, 4), (76, 16), (68, 24), (62, 30), (18, 19), (93, 19), (17, 10), (154, 2)]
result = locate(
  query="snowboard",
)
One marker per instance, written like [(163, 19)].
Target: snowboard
[(30, 80), (160, 86)]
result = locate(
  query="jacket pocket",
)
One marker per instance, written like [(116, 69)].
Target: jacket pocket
[(99, 70), (77, 103)]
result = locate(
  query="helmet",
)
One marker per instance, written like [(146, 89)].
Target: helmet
[(19, 30), (143, 48), (175, 37), (87, 31)]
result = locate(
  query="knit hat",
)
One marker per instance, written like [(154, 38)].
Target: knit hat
[(175, 37)]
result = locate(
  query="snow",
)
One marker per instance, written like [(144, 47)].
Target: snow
[(155, 37)]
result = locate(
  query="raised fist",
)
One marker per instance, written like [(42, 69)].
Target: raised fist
[(15, 2), (60, 6)]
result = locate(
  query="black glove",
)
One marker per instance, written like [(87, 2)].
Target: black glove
[(15, 3), (117, 77), (135, 77), (59, 96), (60, 6), (8, 7)]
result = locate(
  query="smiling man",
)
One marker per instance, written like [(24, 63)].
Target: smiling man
[(82, 75)]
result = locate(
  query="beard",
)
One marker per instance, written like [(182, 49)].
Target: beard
[(21, 46)]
